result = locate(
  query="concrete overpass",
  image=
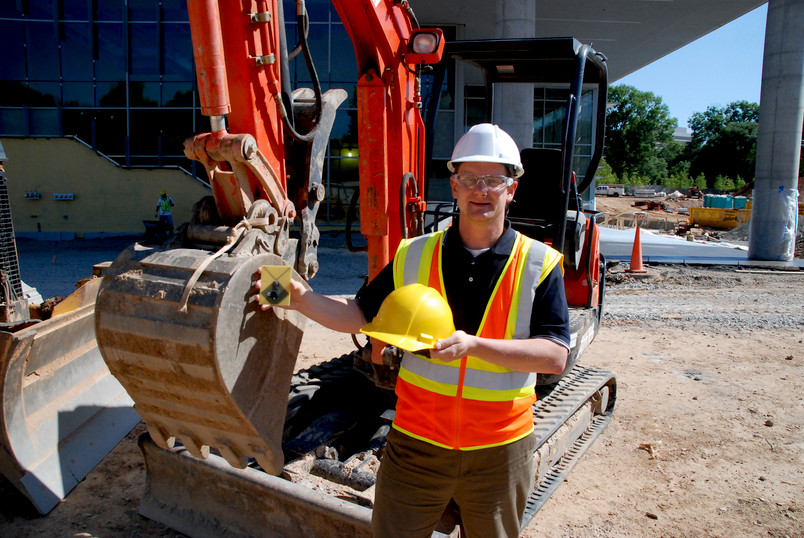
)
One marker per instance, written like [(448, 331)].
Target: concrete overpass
[(632, 33)]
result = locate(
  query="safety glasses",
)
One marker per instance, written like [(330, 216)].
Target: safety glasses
[(493, 182)]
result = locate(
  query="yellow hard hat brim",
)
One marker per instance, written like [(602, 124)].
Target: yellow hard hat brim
[(402, 342)]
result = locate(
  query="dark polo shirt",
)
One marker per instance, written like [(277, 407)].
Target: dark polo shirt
[(469, 282)]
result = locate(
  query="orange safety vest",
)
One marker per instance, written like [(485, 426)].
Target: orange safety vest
[(469, 403)]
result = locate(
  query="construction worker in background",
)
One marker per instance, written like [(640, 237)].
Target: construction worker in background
[(463, 425), (164, 210)]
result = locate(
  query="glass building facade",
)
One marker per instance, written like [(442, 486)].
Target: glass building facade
[(119, 75)]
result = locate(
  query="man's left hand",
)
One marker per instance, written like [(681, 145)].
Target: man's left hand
[(455, 346)]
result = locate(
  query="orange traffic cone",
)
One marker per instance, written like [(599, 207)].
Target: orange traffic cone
[(636, 255)]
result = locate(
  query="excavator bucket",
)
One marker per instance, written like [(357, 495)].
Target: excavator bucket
[(212, 375), (62, 411)]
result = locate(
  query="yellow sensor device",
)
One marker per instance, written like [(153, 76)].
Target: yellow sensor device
[(275, 285)]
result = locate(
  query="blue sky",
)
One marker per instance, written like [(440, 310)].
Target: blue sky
[(717, 69)]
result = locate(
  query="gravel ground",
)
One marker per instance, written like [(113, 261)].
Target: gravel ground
[(740, 302)]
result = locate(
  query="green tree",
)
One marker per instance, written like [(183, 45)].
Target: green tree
[(679, 177), (605, 175), (724, 141), (639, 134), (724, 183)]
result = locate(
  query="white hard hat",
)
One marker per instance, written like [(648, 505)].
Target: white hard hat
[(486, 142)]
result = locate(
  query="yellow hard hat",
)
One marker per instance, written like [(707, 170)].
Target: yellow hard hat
[(164, 192), (413, 317)]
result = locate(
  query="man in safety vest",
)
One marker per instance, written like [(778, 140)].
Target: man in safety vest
[(463, 425), (164, 210)]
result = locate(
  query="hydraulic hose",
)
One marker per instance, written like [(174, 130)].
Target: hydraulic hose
[(302, 21), (284, 68)]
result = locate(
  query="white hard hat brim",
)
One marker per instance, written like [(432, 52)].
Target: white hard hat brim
[(518, 169)]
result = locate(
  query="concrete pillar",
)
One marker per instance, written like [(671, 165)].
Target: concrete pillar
[(772, 234), (513, 104)]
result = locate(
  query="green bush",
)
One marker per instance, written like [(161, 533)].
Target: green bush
[(723, 183)]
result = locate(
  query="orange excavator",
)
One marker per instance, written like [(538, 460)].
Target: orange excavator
[(238, 443)]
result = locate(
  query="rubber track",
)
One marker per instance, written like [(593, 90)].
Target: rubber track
[(550, 413)]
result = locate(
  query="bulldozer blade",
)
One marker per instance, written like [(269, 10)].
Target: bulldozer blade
[(62, 411), (207, 376), (208, 499)]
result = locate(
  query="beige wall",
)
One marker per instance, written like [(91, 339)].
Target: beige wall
[(108, 199)]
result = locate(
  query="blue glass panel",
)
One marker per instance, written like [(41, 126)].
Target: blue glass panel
[(174, 10), (176, 125), (78, 123), (143, 94), (76, 52), (201, 121), (13, 65), (344, 64), (289, 10), (344, 129), (78, 94), (178, 52), (41, 9), (176, 94), (12, 93), (11, 9), (44, 122), (144, 51), (12, 121), (75, 10), (143, 10), (318, 10), (43, 93), (109, 10), (110, 94), (43, 51), (144, 129), (110, 62), (110, 132)]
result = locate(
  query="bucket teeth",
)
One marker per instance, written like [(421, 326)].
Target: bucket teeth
[(161, 437), (194, 447), (232, 455)]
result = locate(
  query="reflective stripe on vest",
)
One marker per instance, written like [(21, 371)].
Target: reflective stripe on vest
[(470, 403)]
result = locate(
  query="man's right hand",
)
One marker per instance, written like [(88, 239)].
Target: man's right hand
[(297, 291)]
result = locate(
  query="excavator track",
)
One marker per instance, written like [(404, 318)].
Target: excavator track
[(557, 451), (206, 376), (568, 417)]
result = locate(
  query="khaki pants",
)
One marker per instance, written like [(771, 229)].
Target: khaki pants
[(417, 480)]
